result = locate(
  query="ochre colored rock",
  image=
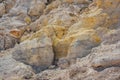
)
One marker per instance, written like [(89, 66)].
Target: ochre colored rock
[(16, 33), (80, 37)]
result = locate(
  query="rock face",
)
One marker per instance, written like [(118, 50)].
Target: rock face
[(9, 38), (2, 9), (37, 52), (36, 9), (10, 69), (77, 39), (108, 53), (102, 63)]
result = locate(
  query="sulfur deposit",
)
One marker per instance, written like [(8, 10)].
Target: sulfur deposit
[(59, 39)]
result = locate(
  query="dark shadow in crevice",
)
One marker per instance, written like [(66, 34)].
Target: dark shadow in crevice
[(101, 68)]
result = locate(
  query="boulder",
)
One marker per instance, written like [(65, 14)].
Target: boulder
[(36, 52), (11, 69), (108, 53), (103, 62), (36, 9)]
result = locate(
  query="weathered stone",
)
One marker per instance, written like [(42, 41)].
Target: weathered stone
[(83, 34), (16, 33), (9, 4), (7, 41), (37, 52), (108, 53), (78, 44), (2, 9), (36, 9), (2, 43), (10, 68)]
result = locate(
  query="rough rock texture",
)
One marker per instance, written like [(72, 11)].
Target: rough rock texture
[(37, 53), (108, 53), (2, 9), (8, 38), (102, 63), (71, 39), (10, 69)]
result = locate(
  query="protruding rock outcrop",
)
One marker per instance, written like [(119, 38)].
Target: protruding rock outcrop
[(77, 39), (37, 52)]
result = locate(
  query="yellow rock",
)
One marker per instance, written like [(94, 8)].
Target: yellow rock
[(87, 28), (96, 38), (27, 20), (16, 33)]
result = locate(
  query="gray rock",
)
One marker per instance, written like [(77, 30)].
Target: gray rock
[(106, 55), (80, 48), (2, 9), (36, 9), (111, 37), (7, 41), (10, 68), (1, 43), (37, 52), (9, 4)]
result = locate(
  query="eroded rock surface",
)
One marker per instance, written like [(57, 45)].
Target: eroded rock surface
[(37, 53), (102, 63), (10, 69), (69, 39)]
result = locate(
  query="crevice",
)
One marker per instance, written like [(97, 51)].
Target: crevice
[(101, 68)]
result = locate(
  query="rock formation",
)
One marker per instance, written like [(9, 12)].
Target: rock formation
[(59, 40)]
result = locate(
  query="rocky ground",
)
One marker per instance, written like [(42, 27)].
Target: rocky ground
[(59, 39)]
